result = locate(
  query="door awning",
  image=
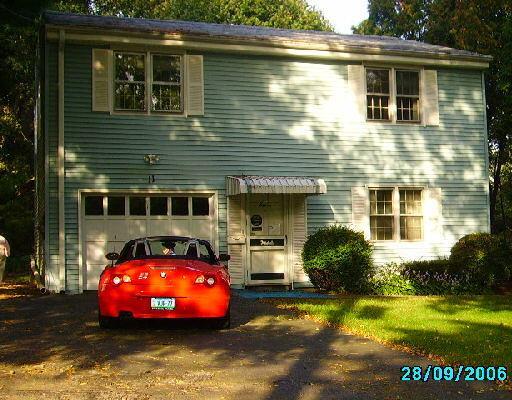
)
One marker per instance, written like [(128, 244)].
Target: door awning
[(274, 184)]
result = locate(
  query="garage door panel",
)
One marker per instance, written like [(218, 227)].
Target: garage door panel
[(94, 230), (117, 230), (95, 252), (201, 229), (137, 228), (93, 275), (159, 227), (180, 227)]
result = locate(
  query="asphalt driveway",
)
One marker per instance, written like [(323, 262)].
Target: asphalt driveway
[(51, 347)]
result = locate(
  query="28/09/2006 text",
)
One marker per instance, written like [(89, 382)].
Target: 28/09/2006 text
[(455, 374)]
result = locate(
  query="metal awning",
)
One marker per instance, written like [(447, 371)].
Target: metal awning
[(274, 184)]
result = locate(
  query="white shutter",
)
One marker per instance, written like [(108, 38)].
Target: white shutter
[(433, 215), (194, 95), (361, 210), (298, 237), (101, 59), (236, 240), (357, 93), (430, 98)]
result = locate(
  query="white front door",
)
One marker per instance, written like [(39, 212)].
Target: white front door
[(267, 239)]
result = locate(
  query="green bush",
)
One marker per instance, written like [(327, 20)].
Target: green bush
[(338, 258), (395, 279), (487, 257), (437, 265)]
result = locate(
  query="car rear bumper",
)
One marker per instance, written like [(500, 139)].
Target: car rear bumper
[(210, 303)]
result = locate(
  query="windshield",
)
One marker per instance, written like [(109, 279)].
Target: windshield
[(171, 247)]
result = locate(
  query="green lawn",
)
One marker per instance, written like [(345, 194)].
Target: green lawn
[(460, 329)]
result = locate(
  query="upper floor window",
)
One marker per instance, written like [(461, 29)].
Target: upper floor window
[(166, 85), (130, 81), (392, 95), (377, 94), (407, 95), (134, 78)]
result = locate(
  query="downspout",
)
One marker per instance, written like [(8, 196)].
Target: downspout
[(60, 166), (486, 151)]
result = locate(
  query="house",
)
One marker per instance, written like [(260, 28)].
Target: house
[(252, 138)]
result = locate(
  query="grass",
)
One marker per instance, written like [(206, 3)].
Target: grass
[(473, 330)]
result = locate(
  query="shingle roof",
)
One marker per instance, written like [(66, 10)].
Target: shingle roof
[(360, 43)]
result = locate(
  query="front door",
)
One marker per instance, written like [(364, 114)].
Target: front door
[(267, 227)]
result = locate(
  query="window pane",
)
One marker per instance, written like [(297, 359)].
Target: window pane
[(158, 206), (116, 205), (200, 206), (407, 83), (377, 81), (179, 205), (381, 228), (130, 67), (381, 201), (94, 205), (410, 202), (411, 228), (166, 97), (137, 205), (407, 109), (130, 96), (166, 68), (377, 107)]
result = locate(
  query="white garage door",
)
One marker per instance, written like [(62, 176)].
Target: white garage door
[(111, 220)]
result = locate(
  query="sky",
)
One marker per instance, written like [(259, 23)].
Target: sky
[(342, 14)]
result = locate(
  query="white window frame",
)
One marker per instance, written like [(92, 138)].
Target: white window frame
[(393, 95), (148, 83), (396, 211)]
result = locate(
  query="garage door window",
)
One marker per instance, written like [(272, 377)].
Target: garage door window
[(137, 205), (116, 205), (200, 206), (158, 206), (94, 205), (179, 206)]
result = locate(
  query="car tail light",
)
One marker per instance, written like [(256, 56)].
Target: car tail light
[(210, 281), (118, 279), (200, 279)]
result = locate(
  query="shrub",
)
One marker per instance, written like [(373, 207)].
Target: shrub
[(486, 257), (395, 279), (338, 258)]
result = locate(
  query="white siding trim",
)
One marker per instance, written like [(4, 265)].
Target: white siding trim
[(60, 165), (46, 170)]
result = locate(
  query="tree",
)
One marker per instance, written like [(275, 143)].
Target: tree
[(483, 26)]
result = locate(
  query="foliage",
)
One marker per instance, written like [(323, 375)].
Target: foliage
[(471, 330), (487, 257), (338, 258), (483, 26), (404, 279)]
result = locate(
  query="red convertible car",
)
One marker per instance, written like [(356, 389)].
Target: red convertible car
[(164, 277)]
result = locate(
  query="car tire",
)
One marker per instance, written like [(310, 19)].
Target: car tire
[(107, 322), (223, 323)]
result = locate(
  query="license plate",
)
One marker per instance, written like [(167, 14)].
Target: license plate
[(163, 303)]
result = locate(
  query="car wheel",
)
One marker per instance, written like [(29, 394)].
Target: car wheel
[(223, 323), (107, 322)]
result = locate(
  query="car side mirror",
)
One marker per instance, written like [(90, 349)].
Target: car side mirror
[(224, 257), (112, 257)]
